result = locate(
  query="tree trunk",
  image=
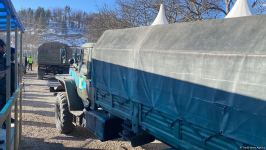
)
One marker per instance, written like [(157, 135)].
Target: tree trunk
[(227, 5)]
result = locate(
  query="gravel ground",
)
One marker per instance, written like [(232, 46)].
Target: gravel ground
[(39, 131)]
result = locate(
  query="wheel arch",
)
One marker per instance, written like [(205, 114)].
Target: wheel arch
[(74, 101)]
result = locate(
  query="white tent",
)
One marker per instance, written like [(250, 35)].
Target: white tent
[(240, 9), (160, 19)]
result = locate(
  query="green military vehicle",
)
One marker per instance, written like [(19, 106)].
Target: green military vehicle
[(53, 58), (194, 86)]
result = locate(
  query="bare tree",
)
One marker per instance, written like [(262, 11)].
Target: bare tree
[(104, 20), (142, 12), (259, 6), (227, 4)]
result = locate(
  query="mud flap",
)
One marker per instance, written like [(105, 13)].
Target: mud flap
[(74, 101)]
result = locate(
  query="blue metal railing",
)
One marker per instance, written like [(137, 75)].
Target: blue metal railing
[(12, 138)]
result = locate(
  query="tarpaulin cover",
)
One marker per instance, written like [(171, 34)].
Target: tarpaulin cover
[(209, 73), (49, 53)]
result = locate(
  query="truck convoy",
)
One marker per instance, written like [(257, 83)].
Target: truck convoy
[(197, 85), (53, 58)]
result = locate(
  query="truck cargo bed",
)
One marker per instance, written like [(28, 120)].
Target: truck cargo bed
[(209, 75)]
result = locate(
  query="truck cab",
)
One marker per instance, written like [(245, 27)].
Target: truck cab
[(80, 71)]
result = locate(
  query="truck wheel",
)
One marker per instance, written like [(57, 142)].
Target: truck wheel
[(63, 117)]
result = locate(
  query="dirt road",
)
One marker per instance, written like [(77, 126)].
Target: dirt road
[(39, 132)]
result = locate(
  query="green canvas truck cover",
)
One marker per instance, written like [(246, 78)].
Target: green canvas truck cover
[(49, 53), (208, 73)]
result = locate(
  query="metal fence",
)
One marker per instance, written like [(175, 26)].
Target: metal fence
[(13, 103), (13, 130), (10, 23)]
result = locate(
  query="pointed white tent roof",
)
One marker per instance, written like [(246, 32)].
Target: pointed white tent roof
[(161, 18), (240, 9)]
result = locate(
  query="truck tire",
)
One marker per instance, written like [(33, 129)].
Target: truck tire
[(63, 117)]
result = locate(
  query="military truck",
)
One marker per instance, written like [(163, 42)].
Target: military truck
[(197, 85), (53, 58)]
